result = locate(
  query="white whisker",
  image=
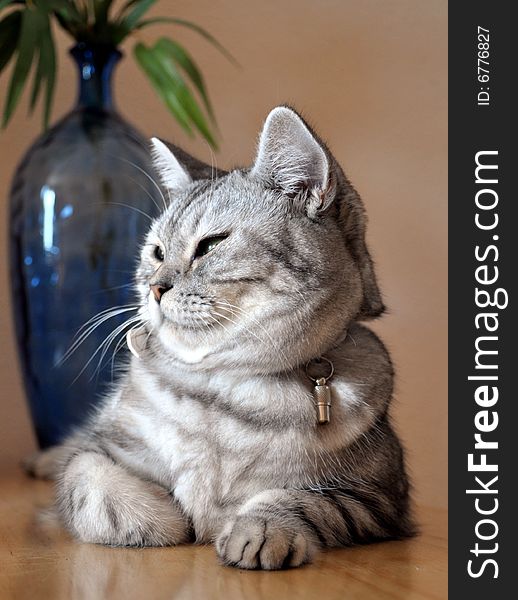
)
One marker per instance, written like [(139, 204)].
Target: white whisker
[(147, 175), (99, 348), (230, 307), (246, 329), (110, 339), (219, 322), (132, 208), (91, 326), (146, 192), (111, 289)]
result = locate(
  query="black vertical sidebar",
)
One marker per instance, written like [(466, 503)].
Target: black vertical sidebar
[(483, 122)]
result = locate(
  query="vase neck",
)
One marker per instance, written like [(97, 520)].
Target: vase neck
[(96, 64)]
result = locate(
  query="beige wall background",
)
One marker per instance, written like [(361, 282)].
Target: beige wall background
[(370, 75)]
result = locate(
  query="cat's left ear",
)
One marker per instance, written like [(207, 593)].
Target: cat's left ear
[(291, 159), (173, 175)]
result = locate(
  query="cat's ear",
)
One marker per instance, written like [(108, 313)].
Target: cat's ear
[(172, 174), (291, 159), (353, 219)]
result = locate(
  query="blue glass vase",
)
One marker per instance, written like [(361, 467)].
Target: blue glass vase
[(80, 205)]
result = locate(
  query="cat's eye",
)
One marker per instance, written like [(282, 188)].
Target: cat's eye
[(158, 253), (208, 244)]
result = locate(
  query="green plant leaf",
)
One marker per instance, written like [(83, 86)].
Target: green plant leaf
[(182, 93), (159, 80), (45, 72), (70, 12), (26, 38), (125, 6), (205, 34), (133, 17), (184, 60), (4, 3), (49, 5), (65, 7), (71, 26), (72, 18), (9, 32), (39, 74), (29, 33), (101, 10), (38, 78), (48, 56), (82, 11)]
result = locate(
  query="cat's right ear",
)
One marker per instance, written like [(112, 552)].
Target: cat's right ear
[(291, 159), (173, 175)]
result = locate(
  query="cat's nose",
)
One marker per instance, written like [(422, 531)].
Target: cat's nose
[(159, 289)]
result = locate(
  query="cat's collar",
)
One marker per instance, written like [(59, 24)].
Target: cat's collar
[(137, 338)]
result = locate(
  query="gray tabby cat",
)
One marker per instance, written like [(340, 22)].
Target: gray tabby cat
[(211, 435)]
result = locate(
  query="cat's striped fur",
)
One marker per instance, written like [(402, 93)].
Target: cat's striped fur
[(211, 435)]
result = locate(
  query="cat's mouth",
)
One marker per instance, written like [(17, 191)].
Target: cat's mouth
[(188, 323), (207, 318)]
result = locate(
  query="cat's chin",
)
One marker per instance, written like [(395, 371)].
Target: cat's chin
[(183, 344), (188, 342)]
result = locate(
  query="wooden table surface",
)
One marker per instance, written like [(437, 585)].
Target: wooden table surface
[(38, 563)]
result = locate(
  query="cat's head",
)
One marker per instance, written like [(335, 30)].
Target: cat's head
[(261, 268)]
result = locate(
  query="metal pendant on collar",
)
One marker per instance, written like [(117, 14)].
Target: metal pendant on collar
[(321, 391)]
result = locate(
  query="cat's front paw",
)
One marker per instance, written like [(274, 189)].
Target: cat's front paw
[(46, 464), (252, 542), (102, 503)]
